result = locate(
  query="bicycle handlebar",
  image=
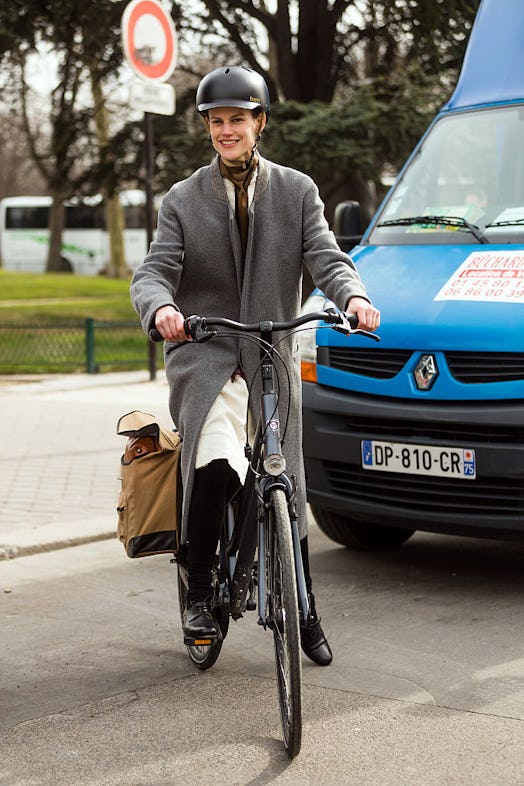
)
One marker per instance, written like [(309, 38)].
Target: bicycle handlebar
[(198, 328)]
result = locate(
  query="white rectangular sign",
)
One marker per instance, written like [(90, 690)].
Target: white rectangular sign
[(155, 97), (487, 275)]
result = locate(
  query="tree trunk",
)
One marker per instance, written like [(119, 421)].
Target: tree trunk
[(316, 44), (114, 215), (55, 261), (353, 187), (304, 63)]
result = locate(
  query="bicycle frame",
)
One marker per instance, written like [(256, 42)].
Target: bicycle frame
[(264, 475), (272, 458), (267, 461)]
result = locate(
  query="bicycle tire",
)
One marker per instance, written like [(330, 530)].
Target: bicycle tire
[(204, 656), (285, 621)]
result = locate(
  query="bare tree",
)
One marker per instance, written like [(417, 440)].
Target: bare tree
[(62, 155), (361, 77), (76, 149), (308, 49), (18, 174)]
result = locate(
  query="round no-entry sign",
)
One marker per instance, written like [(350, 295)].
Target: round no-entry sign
[(149, 40)]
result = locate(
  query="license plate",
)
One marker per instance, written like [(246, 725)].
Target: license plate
[(441, 461)]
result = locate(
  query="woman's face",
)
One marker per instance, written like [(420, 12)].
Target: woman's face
[(233, 132)]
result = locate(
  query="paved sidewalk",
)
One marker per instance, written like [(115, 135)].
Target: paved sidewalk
[(60, 455)]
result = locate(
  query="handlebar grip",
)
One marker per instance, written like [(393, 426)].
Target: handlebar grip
[(155, 335), (353, 321)]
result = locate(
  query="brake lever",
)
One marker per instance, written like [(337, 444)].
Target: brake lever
[(366, 333), (348, 325)]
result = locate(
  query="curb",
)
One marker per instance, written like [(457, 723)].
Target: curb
[(58, 383), (11, 551), (56, 535)]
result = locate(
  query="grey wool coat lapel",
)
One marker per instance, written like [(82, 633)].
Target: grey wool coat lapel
[(195, 263)]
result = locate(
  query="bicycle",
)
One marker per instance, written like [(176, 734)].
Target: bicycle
[(267, 499)]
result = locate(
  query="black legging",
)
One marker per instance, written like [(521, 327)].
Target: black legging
[(213, 487)]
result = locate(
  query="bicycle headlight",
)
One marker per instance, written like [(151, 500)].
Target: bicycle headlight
[(274, 464)]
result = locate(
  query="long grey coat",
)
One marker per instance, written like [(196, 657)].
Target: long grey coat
[(195, 263)]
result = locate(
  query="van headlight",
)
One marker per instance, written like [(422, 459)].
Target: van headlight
[(307, 339)]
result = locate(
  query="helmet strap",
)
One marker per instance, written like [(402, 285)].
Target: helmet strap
[(247, 164)]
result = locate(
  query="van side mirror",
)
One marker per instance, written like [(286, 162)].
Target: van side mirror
[(346, 224)]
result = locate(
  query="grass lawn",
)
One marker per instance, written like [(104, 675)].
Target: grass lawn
[(43, 330), (49, 297)]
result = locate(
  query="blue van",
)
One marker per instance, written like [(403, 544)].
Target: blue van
[(425, 430)]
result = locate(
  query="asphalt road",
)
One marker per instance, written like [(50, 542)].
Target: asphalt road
[(96, 689), (427, 684)]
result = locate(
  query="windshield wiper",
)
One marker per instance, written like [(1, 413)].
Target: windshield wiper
[(514, 222), (448, 221)]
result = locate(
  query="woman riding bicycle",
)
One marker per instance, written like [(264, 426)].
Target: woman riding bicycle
[(233, 240)]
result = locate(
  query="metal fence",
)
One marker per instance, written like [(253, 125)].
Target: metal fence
[(90, 346)]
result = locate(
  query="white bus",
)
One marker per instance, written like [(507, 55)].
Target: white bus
[(24, 233)]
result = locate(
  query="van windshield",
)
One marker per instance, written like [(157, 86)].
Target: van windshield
[(465, 184)]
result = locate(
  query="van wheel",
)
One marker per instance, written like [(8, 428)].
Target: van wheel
[(366, 537)]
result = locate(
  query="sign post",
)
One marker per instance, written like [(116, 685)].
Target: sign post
[(150, 46)]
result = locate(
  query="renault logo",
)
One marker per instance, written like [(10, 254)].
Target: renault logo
[(426, 372)]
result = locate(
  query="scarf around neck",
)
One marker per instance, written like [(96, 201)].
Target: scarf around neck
[(241, 177)]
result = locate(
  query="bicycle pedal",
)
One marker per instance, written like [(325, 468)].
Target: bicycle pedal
[(240, 589), (205, 641)]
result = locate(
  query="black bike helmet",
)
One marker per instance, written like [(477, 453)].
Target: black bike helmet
[(236, 86)]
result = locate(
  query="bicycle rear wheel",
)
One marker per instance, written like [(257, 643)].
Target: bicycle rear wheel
[(285, 621), (204, 655)]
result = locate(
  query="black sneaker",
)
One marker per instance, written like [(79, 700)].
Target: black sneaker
[(198, 624), (314, 643)]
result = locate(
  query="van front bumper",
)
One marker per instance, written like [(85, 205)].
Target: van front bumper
[(492, 505)]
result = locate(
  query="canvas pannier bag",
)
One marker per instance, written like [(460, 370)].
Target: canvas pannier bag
[(149, 502)]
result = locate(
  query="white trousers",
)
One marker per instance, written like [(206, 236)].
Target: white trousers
[(223, 434)]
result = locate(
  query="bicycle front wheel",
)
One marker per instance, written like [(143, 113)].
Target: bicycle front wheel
[(285, 620)]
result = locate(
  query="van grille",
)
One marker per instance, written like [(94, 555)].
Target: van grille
[(438, 432), (465, 367), (497, 496), (378, 363), (474, 367)]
